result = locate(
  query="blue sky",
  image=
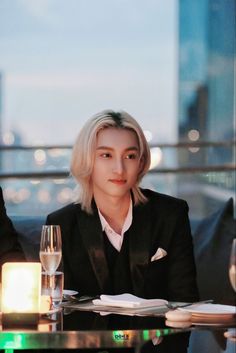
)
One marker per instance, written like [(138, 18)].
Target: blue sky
[(64, 60)]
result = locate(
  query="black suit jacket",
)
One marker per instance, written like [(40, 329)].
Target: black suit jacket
[(10, 249), (161, 222)]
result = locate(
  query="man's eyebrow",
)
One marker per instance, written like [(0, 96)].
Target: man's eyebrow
[(104, 148), (131, 148)]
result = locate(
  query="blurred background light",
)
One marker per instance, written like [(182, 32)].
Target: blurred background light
[(156, 157)]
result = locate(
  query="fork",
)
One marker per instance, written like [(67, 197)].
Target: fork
[(81, 299), (183, 305)]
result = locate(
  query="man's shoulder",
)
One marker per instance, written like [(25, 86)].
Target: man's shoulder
[(163, 200), (66, 211)]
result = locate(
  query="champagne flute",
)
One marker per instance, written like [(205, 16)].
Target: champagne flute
[(50, 256), (232, 265), (50, 248)]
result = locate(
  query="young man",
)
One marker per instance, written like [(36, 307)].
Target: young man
[(10, 249), (118, 237)]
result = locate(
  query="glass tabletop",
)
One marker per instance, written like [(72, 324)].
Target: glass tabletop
[(83, 330)]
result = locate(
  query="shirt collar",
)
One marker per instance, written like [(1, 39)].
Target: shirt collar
[(127, 222)]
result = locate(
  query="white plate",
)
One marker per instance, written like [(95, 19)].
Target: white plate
[(210, 309), (69, 292), (212, 323)]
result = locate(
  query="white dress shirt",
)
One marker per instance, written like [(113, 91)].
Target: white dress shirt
[(115, 238)]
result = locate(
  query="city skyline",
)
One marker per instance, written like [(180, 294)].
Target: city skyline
[(50, 87), (63, 62)]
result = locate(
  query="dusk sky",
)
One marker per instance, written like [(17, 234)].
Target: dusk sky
[(64, 60)]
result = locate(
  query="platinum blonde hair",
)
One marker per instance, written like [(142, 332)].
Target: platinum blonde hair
[(83, 153)]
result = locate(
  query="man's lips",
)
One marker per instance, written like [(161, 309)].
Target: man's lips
[(118, 181)]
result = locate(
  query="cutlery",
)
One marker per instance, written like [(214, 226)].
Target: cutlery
[(176, 306), (79, 299)]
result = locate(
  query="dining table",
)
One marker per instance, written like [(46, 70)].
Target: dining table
[(96, 331)]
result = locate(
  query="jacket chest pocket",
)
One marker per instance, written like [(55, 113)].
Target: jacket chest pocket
[(157, 269)]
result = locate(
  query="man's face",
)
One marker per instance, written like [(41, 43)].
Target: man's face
[(116, 164)]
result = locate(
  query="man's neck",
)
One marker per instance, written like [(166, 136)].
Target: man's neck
[(114, 210)]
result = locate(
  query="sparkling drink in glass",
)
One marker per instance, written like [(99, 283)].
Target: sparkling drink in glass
[(50, 248)]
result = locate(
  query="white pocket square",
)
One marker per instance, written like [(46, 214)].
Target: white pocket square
[(158, 254)]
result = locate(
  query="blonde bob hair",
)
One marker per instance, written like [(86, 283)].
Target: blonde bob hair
[(83, 153)]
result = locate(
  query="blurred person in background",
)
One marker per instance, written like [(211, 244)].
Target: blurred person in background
[(10, 248), (117, 237)]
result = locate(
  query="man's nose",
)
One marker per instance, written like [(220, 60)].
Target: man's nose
[(118, 166)]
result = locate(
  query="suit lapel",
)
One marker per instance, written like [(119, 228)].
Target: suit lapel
[(139, 243), (91, 232)]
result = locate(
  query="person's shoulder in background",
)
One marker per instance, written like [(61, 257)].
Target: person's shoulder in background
[(213, 240), (10, 248)]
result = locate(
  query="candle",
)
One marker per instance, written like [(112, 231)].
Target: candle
[(21, 291)]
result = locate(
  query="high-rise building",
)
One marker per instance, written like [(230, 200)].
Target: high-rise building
[(192, 61), (221, 70), (206, 98), (206, 68)]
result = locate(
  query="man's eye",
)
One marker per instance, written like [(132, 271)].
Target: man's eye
[(105, 155), (131, 156)]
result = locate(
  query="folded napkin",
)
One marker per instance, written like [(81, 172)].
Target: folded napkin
[(127, 300)]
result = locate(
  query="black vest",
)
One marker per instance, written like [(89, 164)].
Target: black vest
[(119, 267)]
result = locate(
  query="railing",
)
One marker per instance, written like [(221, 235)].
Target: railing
[(36, 179)]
